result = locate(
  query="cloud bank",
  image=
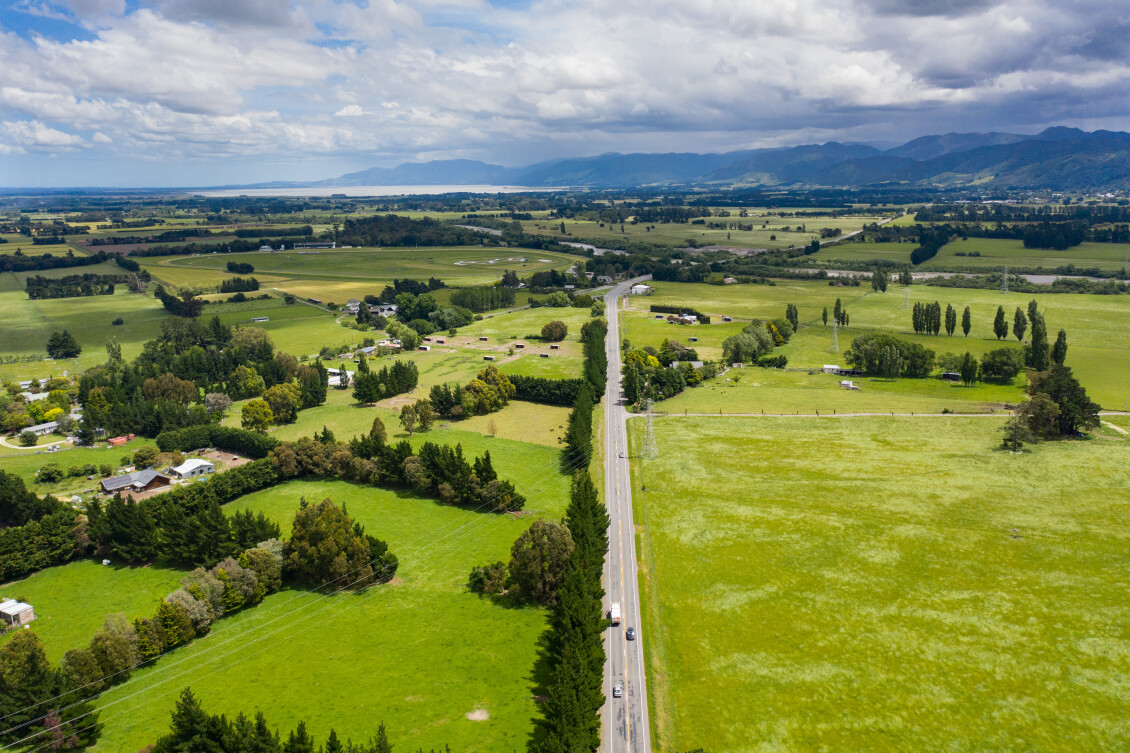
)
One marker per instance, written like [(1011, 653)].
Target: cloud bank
[(297, 90)]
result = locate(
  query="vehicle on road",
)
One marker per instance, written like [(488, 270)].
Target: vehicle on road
[(631, 634), (618, 691), (614, 613)]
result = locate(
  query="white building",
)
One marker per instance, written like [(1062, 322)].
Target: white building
[(192, 468), (641, 289), (15, 612), (831, 368)]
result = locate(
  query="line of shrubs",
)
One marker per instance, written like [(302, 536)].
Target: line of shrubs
[(250, 443)]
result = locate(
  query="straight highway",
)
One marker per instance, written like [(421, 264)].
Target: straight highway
[(625, 719)]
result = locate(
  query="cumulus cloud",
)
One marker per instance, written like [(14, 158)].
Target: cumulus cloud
[(209, 79)]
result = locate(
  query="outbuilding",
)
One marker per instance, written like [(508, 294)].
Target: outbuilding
[(831, 368), (192, 468), (641, 289), (14, 612), (951, 376)]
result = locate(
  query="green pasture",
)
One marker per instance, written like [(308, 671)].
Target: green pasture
[(28, 323), (882, 584), (678, 234), (419, 654), (72, 601), (898, 253), (998, 252), (26, 462), (340, 274), (1098, 327)]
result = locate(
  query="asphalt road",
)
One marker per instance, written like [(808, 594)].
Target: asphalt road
[(625, 719)]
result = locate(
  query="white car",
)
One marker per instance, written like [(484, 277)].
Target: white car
[(618, 691)]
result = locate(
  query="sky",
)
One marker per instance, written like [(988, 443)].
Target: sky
[(213, 92)]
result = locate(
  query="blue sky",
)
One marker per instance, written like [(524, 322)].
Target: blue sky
[(208, 92)]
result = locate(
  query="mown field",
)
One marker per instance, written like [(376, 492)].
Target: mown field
[(1098, 330), (419, 654), (678, 234), (995, 253), (24, 463), (340, 274), (72, 601), (882, 584), (1000, 252)]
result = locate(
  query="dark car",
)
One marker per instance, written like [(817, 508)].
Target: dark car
[(631, 634)]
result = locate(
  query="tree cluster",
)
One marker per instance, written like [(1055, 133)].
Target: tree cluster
[(72, 286), (370, 386), (239, 284), (867, 353)]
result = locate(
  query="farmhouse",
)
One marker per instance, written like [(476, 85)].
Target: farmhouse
[(831, 368), (32, 397), (138, 481), (353, 305), (14, 612), (641, 289), (192, 468), (386, 309), (50, 426)]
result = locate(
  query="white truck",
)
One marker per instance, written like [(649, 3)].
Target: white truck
[(614, 613)]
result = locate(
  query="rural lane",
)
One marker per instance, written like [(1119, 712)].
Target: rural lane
[(625, 721)]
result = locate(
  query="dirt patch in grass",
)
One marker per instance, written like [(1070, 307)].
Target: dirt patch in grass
[(478, 715)]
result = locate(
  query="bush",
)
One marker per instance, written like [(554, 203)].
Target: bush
[(118, 322), (866, 353), (28, 438), (1002, 364), (554, 331), (546, 391), (50, 473)]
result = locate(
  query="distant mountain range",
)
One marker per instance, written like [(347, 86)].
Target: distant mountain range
[(1058, 158)]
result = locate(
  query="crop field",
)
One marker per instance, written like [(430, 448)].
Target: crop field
[(678, 234), (419, 654), (808, 588), (1098, 327), (997, 252), (340, 274), (72, 601)]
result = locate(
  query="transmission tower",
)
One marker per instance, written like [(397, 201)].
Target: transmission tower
[(650, 451), (1004, 281), (835, 337)]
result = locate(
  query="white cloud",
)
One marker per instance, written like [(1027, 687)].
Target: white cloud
[(213, 79), (18, 137), (349, 111)]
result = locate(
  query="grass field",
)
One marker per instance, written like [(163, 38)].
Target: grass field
[(419, 654), (678, 234), (25, 463), (1098, 327), (28, 323), (340, 274), (995, 253), (999, 252), (882, 584), (72, 601)]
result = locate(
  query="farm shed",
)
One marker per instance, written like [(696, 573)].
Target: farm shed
[(15, 612), (192, 467)]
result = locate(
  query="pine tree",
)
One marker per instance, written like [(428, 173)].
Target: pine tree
[(839, 307), (966, 321), (951, 319), (1019, 324), (1039, 358), (824, 316)]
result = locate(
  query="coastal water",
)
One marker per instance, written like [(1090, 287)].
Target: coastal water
[(359, 191)]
